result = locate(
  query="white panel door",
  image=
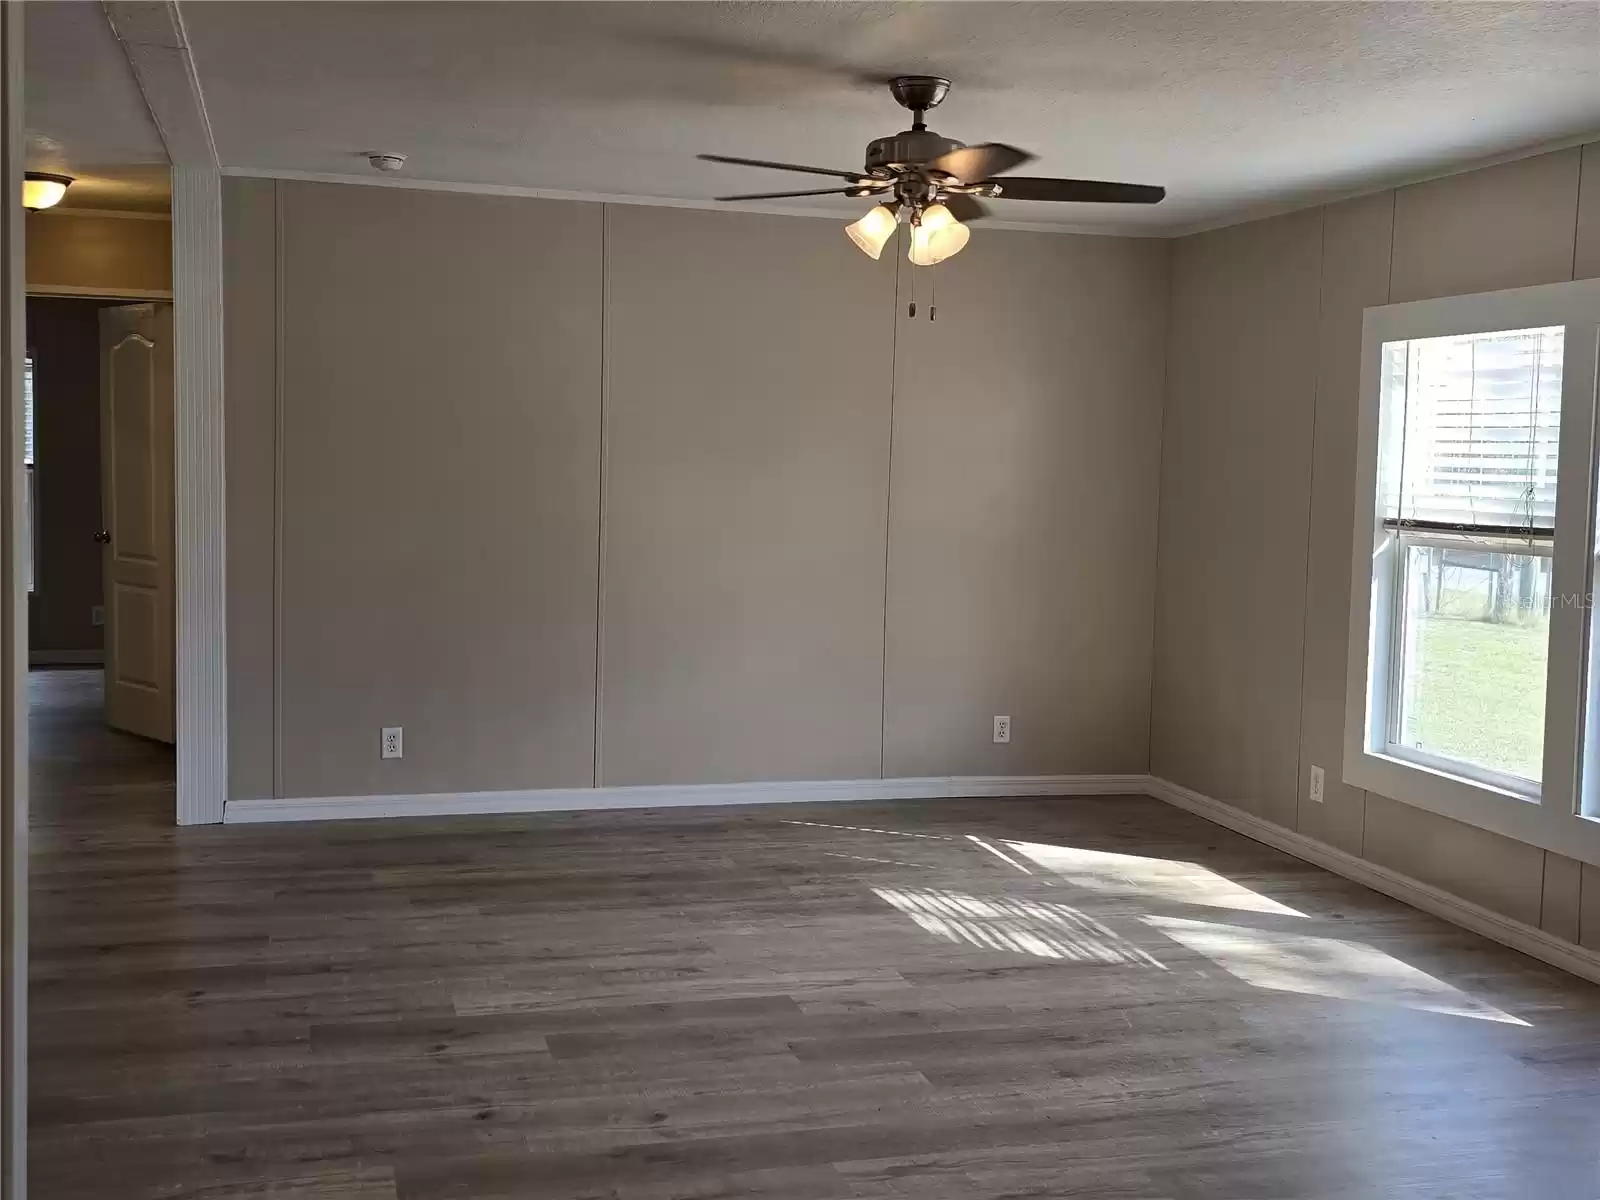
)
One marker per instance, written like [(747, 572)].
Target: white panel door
[(136, 462)]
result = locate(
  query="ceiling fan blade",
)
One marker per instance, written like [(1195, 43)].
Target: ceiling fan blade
[(849, 191), (852, 176), (1080, 191), (767, 69), (973, 163), (964, 208)]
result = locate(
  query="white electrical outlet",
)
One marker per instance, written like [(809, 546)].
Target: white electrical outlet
[(1316, 784), (97, 614), (393, 743), (1002, 729)]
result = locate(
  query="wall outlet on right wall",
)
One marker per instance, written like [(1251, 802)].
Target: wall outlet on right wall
[(393, 742), (1316, 784), (1002, 729)]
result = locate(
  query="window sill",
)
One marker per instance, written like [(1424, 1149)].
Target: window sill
[(1482, 805)]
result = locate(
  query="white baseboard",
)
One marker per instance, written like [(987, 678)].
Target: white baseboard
[(1508, 932), (67, 658), (342, 808)]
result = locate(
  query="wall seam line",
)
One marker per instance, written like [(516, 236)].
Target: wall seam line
[(1311, 506), (888, 524), (1161, 459), (1544, 883), (1394, 219), (278, 358), (1583, 870), (600, 500), (1577, 212)]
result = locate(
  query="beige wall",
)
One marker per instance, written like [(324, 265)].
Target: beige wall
[(99, 254), (480, 447), (1027, 436), (1257, 489), (1236, 457), (437, 485), (747, 438)]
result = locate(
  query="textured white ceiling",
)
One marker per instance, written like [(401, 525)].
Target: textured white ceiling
[(83, 111), (1236, 108), (1232, 106)]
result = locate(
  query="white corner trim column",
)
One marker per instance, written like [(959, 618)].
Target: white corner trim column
[(202, 677), (13, 635)]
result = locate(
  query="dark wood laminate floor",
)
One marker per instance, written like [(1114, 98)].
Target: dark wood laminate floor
[(1099, 998)]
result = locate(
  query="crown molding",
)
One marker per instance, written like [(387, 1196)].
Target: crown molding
[(70, 292), (1301, 203), (532, 193), (116, 213), (1320, 199)]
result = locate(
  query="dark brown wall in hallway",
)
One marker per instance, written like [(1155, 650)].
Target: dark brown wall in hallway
[(64, 340)]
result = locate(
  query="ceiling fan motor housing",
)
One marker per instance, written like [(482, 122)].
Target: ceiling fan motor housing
[(909, 148)]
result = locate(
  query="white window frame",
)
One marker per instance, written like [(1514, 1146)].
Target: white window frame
[(1552, 815)]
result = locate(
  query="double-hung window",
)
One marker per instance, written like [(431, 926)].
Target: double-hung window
[(1469, 687)]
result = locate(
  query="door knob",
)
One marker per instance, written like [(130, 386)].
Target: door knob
[(103, 537)]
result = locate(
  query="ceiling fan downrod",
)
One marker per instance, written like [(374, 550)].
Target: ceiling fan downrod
[(919, 93)]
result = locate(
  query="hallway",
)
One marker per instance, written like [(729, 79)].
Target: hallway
[(79, 771)]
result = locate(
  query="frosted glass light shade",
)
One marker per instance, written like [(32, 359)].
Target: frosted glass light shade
[(936, 237), (873, 230), (40, 190)]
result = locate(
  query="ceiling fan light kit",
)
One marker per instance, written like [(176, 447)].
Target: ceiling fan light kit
[(934, 183)]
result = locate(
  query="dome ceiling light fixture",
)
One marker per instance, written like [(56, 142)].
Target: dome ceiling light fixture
[(933, 184), (43, 189)]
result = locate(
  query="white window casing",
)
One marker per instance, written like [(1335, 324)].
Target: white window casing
[(1458, 496)]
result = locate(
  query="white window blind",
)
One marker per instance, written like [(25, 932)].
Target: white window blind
[(29, 503), (1476, 451), (27, 411)]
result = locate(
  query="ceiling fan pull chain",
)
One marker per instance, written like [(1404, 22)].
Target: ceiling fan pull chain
[(933, 300), (911, 310)]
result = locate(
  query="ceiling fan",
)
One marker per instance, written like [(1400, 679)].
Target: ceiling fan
[(933, 183)]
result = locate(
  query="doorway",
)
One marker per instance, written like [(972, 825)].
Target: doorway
[(98, 491)]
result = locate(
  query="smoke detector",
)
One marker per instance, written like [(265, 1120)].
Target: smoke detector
[(385, 162)]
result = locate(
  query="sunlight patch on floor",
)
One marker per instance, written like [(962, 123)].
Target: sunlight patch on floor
[(1171, 880), (1016, 925), (981, 844), (1327, 967)]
